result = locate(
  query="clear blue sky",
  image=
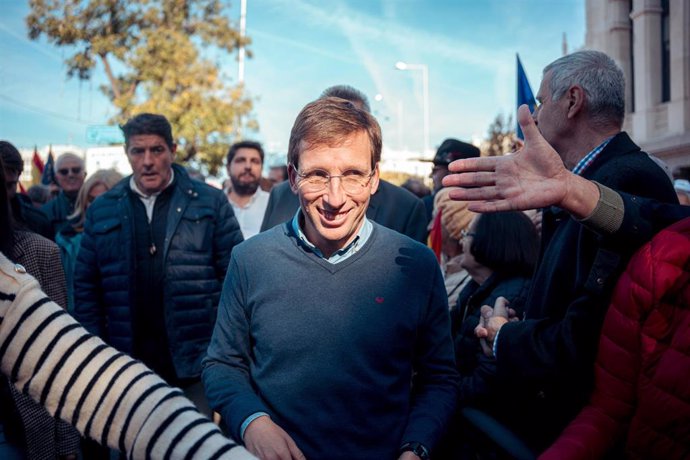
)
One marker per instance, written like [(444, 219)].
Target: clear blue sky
[(301, 47)]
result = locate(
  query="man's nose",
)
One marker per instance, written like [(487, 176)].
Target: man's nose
[(335, 195), (148, 157)]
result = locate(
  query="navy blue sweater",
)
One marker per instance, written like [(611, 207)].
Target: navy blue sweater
[(329, 350)]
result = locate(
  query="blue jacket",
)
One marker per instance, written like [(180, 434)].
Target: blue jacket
[(201, 232), (69, 241), (57, 211)]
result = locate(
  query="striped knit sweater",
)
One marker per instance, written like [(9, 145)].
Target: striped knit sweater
[(105, 394)]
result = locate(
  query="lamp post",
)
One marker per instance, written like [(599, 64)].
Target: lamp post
[(400, 65), (241, 52), (240, 58)]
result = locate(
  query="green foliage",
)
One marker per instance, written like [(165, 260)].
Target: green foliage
[(500, 137), (150, 51)]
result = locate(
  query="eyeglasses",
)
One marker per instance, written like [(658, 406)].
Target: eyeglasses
[(352, 181), (65, 171), (464, 234)]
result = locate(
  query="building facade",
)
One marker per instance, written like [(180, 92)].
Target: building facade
[(650, 40)]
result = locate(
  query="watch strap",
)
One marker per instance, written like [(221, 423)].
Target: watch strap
[(416, 448)]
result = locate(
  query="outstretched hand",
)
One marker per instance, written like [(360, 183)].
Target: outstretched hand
[(533, 177)]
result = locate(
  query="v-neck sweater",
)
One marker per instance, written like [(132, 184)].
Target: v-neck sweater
[(329, 350)]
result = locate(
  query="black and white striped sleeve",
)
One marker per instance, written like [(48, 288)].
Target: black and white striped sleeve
[(105, 394)]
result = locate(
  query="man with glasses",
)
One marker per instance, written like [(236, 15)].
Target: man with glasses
[(70, 174), (391, 206), (333, 337)]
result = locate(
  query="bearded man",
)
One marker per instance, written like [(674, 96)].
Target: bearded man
[(244, 162)]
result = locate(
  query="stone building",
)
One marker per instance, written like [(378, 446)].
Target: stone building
[(650, 39)]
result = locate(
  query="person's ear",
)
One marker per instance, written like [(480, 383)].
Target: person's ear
[(292, 177), (576, 100), (374, 185)]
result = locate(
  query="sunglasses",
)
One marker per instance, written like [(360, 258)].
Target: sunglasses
[(65, 171), (464, 233)]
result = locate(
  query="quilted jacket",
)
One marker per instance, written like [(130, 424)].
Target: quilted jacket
[(201, 232), (642, 394)]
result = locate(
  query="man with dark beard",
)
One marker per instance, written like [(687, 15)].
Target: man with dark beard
[(244, 162)]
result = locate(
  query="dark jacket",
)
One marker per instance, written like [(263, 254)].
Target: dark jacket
[(643, 363), (57, 211), (28, 217), (549, 356), (476, 371), (201, 232), (391, 206)]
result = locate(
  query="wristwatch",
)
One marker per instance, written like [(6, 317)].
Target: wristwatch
[(416, 448)]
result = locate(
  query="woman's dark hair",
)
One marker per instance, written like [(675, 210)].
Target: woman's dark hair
[(506, 242), (6, 226)]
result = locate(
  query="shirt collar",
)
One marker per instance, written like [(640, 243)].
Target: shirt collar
[(588, 159), (259, 192), (149, 201), (135, 188), (348, 251)]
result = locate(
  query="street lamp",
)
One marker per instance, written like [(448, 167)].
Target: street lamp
[(243, 28), (400, 65)]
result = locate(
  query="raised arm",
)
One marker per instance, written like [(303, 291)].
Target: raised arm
[(534, 177), (119, 402)]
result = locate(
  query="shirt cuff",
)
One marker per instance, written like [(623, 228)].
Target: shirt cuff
[(607, 216), (249, 420), (494, 347)]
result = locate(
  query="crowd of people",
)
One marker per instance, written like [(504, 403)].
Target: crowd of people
[(325, 313)]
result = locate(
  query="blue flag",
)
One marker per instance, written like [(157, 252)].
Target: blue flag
[(524, 93), (48, 176)]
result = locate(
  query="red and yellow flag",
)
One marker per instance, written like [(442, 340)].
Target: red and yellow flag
[(36, 168)]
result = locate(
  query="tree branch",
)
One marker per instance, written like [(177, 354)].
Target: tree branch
[(133, 87), (109, 72)]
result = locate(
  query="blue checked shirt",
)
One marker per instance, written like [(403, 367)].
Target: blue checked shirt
[(590, 157)]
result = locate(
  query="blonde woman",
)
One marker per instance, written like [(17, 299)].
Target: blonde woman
[(69, 238)]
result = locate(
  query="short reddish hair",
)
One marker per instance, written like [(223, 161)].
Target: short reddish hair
[(328, 121)]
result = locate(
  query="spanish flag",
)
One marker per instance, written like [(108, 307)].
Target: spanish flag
[(36, 168)]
